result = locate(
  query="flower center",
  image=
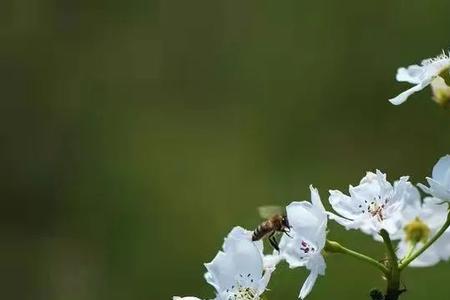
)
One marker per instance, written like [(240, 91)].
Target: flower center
[(417, 231), (241, 290), (375, 208), (244, 294), (307, 249)]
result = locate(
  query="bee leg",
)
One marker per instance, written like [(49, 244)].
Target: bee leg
[(274, 242), (286, 232)]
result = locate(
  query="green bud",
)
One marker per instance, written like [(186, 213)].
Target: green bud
[(417, 231), (332, 247)]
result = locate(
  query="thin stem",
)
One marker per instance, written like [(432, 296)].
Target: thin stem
[(390, 249), (393, 278), (335, 247), (411, 248), (444, 227)]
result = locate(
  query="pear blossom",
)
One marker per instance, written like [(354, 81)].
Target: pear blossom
[(420, 222), (240, 271), (440, 180), (307, 236), (431, 71), (372, 205)]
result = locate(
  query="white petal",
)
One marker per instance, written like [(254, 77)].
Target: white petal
[(272, 260), (441, 171), (344, 205), (402, 249), (185, 298), (424, 188), (315, 198), (237, 233), (427, 259), (262, 284), (404, 96), (246, 258), (308, 284), (433, 212), (305, 218), (412, 74), (348, 224), (442, 246), (411, 195), (317, 264), (241, 256), (438, 190), (220, 271)]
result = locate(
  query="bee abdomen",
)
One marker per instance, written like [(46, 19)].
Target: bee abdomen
[(259, 232)]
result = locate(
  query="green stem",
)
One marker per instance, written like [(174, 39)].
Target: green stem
[(411, 248), (444, 227), (393, 277), (335, 247)]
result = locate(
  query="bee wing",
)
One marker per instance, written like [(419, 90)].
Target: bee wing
[(269, 211)]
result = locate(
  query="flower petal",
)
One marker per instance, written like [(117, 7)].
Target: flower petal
[(344, 205), (304, 218), (433, 212), (442, 246), (308, 284), (240, 256), (438, 190), (270, 261), (262, 284), (441, 170), (411, 74), (348, 224), (315, 198), (404, 95)]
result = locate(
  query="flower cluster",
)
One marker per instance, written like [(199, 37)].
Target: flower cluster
[(241, 271), (387, 211)]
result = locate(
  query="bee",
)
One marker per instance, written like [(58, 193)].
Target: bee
[(276, 221)]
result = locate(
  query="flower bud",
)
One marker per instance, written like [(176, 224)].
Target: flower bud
[(417, 231), (332, 247), (441, 88)]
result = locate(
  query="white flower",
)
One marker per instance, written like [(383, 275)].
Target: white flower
[(421, 76), (308, 221), (238, 272), (185, 298), (420, 222), (440, 181), (372, 205)]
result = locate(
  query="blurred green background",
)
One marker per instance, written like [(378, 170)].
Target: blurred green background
[(135, 134)]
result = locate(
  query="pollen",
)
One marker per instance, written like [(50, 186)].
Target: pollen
[(244, 293), (376, 211), (417, 231)]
